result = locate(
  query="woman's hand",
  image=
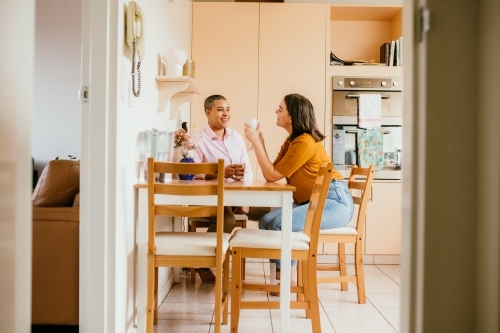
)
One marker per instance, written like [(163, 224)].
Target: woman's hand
[(253, 135)]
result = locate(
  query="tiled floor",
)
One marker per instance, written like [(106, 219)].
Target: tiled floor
[(189, 307)]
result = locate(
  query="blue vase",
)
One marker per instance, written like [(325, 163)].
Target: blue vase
[(186, 176)]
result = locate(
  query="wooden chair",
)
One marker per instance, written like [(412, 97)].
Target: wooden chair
[(251, 243), (361, 180), (200, 222), (180, 249)]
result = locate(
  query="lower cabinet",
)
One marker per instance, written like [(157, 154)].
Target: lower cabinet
[(383, 221)]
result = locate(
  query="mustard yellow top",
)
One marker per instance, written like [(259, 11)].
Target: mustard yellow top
[(299, 162)]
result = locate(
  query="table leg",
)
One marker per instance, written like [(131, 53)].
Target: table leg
[(286, 255)]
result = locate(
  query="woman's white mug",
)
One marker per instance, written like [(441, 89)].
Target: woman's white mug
[(252, 122)]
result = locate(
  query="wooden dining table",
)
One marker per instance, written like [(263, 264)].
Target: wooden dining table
[(253, 193)]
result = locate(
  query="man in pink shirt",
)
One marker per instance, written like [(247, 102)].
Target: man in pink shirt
[(219, 141)]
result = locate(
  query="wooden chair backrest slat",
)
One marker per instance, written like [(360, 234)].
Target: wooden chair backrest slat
[(361, 180), (186, 189), (185, 211), (317, 204), (357, 200), (358, 185), (186, 168)]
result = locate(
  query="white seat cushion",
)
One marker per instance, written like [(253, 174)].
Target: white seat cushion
[(266, 239), (347, 230), (189, 243)]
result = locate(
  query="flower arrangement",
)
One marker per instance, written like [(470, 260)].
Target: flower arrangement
[(185, 143)]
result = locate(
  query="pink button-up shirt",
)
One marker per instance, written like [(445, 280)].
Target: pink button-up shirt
[(231, 148)]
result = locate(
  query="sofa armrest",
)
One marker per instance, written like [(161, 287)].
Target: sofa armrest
[(55, 265), (61, 214)]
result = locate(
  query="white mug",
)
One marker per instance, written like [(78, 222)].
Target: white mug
[(252, 122)]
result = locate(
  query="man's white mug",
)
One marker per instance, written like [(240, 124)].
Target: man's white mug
[(252, 122)]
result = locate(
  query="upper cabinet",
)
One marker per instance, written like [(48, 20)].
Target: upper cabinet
[(254, 54), (357, 32), (292, 48)]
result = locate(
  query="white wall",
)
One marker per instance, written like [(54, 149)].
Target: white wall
[(168, 25), (56, 113)]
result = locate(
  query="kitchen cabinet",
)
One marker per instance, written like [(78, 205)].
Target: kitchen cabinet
[(225, 46), (254, 54), (384, 219)]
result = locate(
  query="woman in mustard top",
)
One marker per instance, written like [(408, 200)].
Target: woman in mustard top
[(298, 161)]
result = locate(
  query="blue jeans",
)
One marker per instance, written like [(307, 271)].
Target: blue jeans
[(338, 211)]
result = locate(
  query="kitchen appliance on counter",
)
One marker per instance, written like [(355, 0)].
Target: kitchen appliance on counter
[(346, 92), (158, 145)]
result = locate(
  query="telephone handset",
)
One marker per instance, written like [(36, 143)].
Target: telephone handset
[(136, 35)]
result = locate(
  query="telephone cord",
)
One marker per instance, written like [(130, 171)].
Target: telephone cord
[(136, 88)]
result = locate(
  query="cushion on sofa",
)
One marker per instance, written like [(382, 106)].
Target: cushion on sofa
[(58, 184)]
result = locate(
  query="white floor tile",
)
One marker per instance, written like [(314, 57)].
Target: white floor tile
[(392, 271), (392, 315), (384, 300), (364, 329), (362, 315), (189, 307)]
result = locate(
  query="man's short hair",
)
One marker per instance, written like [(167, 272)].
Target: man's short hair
[(209, 101)]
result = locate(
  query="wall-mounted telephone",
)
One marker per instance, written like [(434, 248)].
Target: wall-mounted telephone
[(136, 35)]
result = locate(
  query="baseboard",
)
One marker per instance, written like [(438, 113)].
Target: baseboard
[(165, 288), (368, 259), (54, 328)]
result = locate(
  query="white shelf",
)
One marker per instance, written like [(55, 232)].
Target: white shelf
[(173, 91)]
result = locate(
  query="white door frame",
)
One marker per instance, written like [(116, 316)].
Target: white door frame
[(98, 164)]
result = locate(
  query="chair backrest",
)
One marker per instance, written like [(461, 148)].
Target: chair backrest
[(317, 204), (361, 179), (187, 188)]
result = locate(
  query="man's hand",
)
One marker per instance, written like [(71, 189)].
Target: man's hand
[(235, 171), (241, 210)]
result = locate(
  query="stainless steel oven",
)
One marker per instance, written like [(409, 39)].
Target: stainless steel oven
[(346, 91)]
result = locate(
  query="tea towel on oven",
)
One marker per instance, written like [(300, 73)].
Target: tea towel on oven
[(369, 110), (371, 148)]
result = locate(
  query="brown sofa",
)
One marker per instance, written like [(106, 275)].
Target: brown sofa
[(55, 266)]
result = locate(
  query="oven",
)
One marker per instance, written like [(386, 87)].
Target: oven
[(346, 91)]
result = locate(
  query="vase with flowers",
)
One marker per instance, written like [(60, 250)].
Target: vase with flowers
[(185, 144)]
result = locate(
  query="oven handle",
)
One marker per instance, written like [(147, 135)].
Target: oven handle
[(356, 131), (357, 96)]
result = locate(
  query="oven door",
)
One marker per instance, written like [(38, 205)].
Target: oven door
[(345, 106), (345, 150)]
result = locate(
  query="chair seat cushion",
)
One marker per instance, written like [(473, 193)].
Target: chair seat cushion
[(266, 239), (347, 230), (189, 243)]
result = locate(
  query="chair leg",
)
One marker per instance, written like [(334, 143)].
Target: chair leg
[(311, 276), (193, 275), (243, 268), (342, 266), (150, 295), (218, 301), (360, 277), (155, 316), (236, 291), (225, 289), (192, 228), (300, 282), (243, 261)]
